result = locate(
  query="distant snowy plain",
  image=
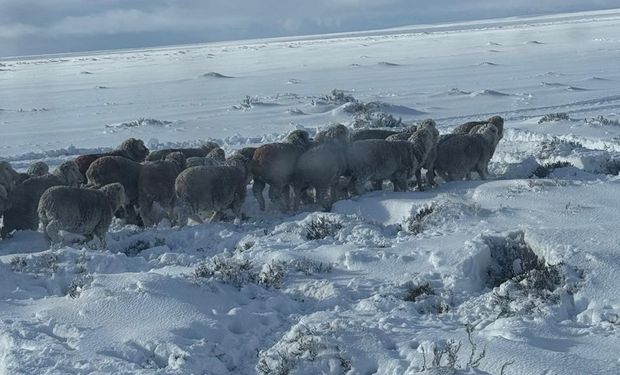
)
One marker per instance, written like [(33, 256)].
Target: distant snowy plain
[(343, 303)]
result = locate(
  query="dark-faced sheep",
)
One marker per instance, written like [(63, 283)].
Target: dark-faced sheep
[(111, 169), (363, 134), (23, 200), (376, 160), (205, 189), (87, 212), (156, 187), (274, 164), (424, 142), (132, 148), (460, 154), (187, 152)]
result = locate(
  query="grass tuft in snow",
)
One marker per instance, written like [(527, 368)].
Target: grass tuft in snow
[(522, 280), (140, 245), (366, 119), (601, 121), (416, 223), (413, 291), (227, 270), (302, 344), (18, 263), (309, 266), (553, 117), (545, 170), (78, 284), (322, 227), (445, 359)]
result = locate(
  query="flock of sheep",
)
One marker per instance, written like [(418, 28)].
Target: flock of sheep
[(83, 195)]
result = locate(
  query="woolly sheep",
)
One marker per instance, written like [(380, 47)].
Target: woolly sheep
[(376, 160), (82, 211), (38, 168), (320, 167), (274, 164), (35, 169), (248, 152), (404, 135), (425, 140), (187, 152), (201, 189), (8, 176), (337, 132), (363, 134), (111, 169), (132, 148), (473, 126), (156, 185), (23, 200), (460, 154)]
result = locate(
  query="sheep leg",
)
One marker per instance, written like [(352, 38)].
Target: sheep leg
[(418, 177), (297, 199), (377, 185), (257, 188), (146, 212), (217, 215), (430, 177), (52, 232), (356, 186), (323, 197), (286, 197)]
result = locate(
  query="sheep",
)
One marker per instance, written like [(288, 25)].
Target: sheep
[(472, 126), (320, 167), (216, 189), (376, 160), (362, 134), (460, 154), (337, 132), (110, 169), (425, 140), (4, 200), (22, 214), (87, 212), (38, 168), (403, 135), (35, 169), (187, 152), (248, 152), (274, 164), (132, 148), (8, 176), (156, 184)]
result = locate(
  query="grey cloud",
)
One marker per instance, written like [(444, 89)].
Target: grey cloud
[(32, 27)]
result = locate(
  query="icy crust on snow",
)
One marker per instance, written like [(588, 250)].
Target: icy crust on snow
[(385, 283)]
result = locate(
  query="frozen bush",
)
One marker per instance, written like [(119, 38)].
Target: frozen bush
[(416, 223), (545, 170), (309, 266), (227, 270), (322, 227), (365, 119), (413, 291), (78, 284), (552, 117), (601, 121)]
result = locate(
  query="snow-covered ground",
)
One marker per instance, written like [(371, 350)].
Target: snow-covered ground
[(399, 273)]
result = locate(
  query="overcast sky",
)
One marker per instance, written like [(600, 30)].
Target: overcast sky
[(52, 26)]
